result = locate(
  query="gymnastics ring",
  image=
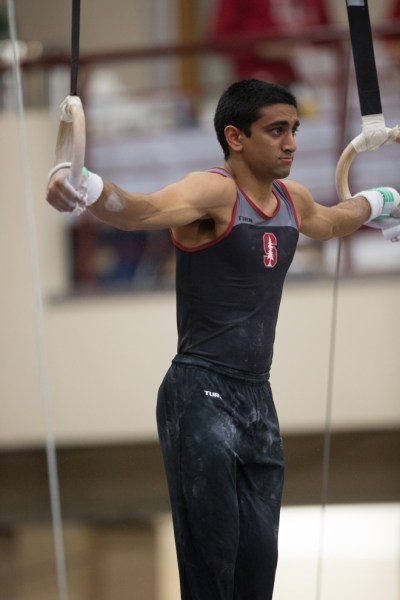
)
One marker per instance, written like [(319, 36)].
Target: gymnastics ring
[(71, 138), (347, 156)]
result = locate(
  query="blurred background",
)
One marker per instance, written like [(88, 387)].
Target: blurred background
[(150, 75)]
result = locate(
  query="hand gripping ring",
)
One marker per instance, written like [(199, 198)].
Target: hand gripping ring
[(71, 138), (347, 156)]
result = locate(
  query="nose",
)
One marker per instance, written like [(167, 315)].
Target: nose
[(290, 143)]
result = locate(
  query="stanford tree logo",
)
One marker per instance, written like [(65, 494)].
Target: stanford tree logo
[(271, 252)]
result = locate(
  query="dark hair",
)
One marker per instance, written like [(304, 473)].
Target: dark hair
[(241, 103)]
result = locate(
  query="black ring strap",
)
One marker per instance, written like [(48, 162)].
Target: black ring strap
[(75, 31), (364, 57)]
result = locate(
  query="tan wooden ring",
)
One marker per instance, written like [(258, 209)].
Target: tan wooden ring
[(343, 166)]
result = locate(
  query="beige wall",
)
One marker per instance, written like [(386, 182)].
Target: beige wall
[(103, 562), (104, 25)]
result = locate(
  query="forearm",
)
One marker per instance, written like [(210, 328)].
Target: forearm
[(350, 215), (370, 207), (367, 207), (122, 210), (106, 201), (324, 223)]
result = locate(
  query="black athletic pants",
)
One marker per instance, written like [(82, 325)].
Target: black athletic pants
[(223, 457)]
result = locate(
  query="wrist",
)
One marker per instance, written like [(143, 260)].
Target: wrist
[(375, 200), (383, 201)]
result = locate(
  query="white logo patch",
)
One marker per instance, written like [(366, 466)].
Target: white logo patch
[(212, 394)]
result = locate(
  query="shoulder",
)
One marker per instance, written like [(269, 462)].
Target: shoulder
[(298, 191), (213, 197), (215, 173), (301, 196), (210, 179), (208, 189), (206, 182)]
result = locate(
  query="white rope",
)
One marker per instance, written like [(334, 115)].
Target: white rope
[(326, 457), (39, 322), (328, 424)]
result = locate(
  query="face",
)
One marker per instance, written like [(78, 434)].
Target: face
[(269, 150)]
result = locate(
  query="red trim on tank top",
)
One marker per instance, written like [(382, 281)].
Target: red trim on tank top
[(215, 170), (258, 210), (289, 198), (254, 206), (208, 244)]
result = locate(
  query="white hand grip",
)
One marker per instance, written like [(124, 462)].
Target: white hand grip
[(71, 138)]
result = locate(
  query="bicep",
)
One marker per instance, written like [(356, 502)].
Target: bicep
[(315, 220), (318, 222), (173, 206), (176, 205), (197, 196), (321, 222)]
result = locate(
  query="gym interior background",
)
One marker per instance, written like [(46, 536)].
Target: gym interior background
[(149, 80)]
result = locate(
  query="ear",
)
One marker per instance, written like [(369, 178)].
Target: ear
[(233, 136)]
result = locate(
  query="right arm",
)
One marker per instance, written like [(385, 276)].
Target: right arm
[(199, 195)]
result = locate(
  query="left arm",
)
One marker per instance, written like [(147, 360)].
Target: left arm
[(323, 223)]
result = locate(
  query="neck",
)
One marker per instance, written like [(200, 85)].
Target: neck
[(257, 189)]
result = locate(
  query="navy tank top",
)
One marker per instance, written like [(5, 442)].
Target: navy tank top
[(229, 290)]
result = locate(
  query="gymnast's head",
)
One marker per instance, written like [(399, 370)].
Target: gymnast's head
[(241, 103)]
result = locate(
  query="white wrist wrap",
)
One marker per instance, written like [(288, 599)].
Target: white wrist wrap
[(95, 186), (375, 200), (383, 202), (89, 190)]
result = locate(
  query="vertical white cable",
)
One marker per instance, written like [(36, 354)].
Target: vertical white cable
[(331, 376), (54, 489), (328, 424)]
